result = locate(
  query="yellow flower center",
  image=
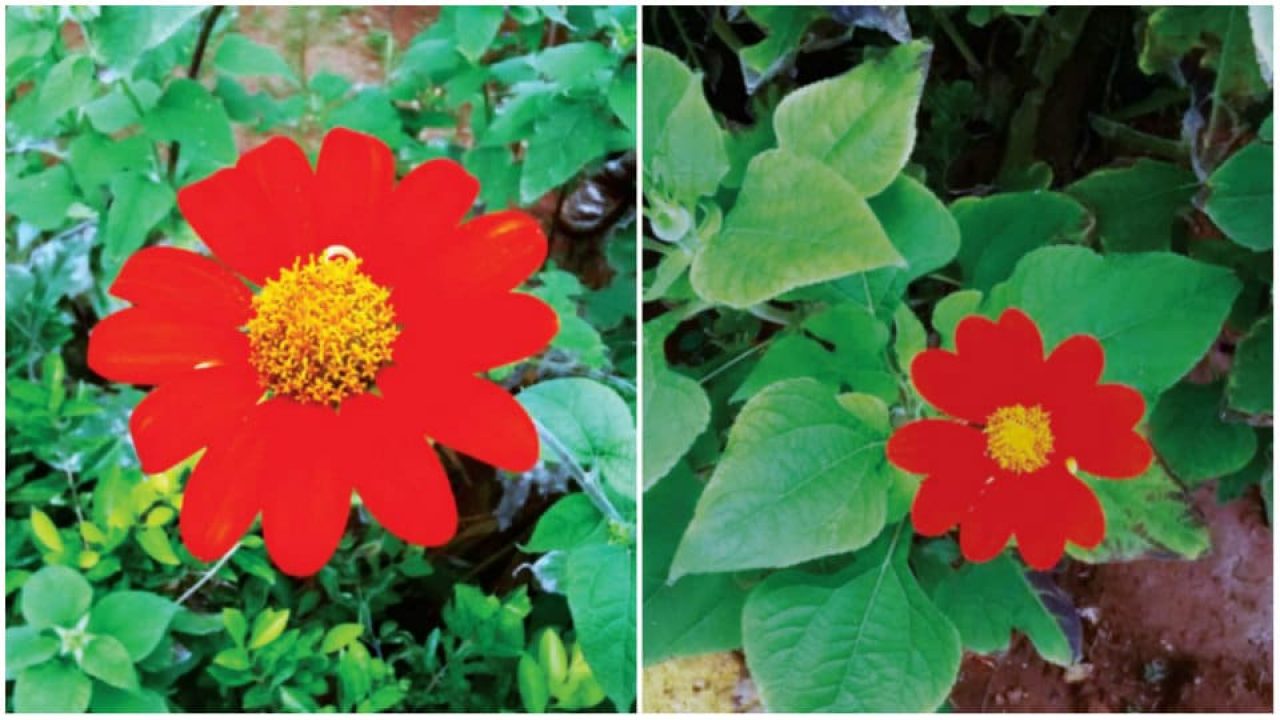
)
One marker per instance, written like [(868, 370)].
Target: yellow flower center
[(322, 330), (1019, 438)]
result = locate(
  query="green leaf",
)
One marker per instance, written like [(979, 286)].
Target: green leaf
[(1240, 197), (988, 601), (107, 699), (920, 228), (107, 659), (45, 531), (783, 28), (41, 199), (999, 230), (576, 65), (1136, 206), (1156, 314), (795, 223), (236, 624), (116, 111), (155, 542), (861, 124), (240, 56), (592, 422), (572, 521), (25, 646), (910, 338), (140, 204), (950, 310), (475, 27), (121, 34), (565, 140), (865, 640), (622, 96), (137, 619), (800, 478), (684, 147), (189, 115), (679, 400), (855, 360), (694, 615), (370, 111), (600, 582), (498, 173), (1146, 516), (68, 86), (52, 687), (1250, 384), (96, 159), (340, 636), (55, 596), (267, 627), (1194, 442)]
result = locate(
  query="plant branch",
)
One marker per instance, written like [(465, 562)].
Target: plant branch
[(194, 71), (208, 574), (587, 481)]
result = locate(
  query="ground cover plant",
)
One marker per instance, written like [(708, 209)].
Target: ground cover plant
[(114, 115), (946, 308)]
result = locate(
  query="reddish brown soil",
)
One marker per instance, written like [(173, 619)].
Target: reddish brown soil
[(1159, 635)]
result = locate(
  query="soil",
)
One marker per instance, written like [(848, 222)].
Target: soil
[(1159, 635)]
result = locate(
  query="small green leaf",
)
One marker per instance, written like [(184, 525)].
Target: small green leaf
[(25, 646), (236, 624), (267, 627), (1249, 386), (232, 659), (795, 223), (998, 230), (41, 199), (566, 139), (119, 35), (532, 683), (116, 110), (679, 400), (861, 124), (592, 422), (1195, 443), (909, 338), (45, 531), (55, 596), (137, 619), (188, 114), (1146, 516), (240, 56), (340, 636), (155, 541), (475, 27), (1240, 197), (139, 204), (52, 687), (107, 659), (572, 521), (684, 147)]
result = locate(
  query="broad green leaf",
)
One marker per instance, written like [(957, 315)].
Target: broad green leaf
[(950, 310), (498, 173), (189, 115), (121, 33), (795, 223), (576, 65), (96, 159), (107, 659), (999, 230), (1156, 314), (572, 521), (565, 140), (600, 582), (41, 199), (1240, 197), (475, 27), (843, 346), (1193, 440), (694, 615), (267, 627), (988, 601), (139, 204), (622, 96), (861, 124), (592, 422), (240, 56), (1231, 487), (783, 28), (341, 636), (137, 619), (1250, 384), (1136, 206), (52, 687), (684, 147), (1146, 516), (865, 640), (920, 228), (116, 110), (107, 699), (25, 646), (800, 478), (68, 86), (679, 400), (55, 596), (370, 111)]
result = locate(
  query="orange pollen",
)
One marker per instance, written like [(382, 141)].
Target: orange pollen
[(1019, 438), (322, 330)]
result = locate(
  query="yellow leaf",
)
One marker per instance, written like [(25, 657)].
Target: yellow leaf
[(268, 626), (45, 531), (91, 533)]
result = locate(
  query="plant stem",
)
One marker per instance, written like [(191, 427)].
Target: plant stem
[(192, 72), (948, 27), (587, 481), (208, 574)]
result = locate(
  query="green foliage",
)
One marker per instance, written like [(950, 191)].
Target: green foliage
[(108, 612)]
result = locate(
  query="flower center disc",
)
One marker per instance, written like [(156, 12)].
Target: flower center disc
[(322, 330), (1019, 438)]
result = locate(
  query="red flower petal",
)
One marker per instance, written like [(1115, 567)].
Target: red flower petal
[(403, 485), (495, 252), (146, 347), (188, 412), (494, 331), (222, 497), (1096, 428), (466, 413), (354, 178), (258, 216), (925, 446), (433, 197), (308, 497), (166, 278), (1077, 361), (989, 524), (944, 499), (1056, 507)]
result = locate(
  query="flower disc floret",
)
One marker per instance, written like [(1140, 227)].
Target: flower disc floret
[(1019, 438), (321, 330)]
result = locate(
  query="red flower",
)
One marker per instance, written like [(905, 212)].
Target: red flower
[(376, 310), (1023, 426)]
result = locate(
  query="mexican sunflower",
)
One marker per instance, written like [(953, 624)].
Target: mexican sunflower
[(1021, 427), (341, 321)]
